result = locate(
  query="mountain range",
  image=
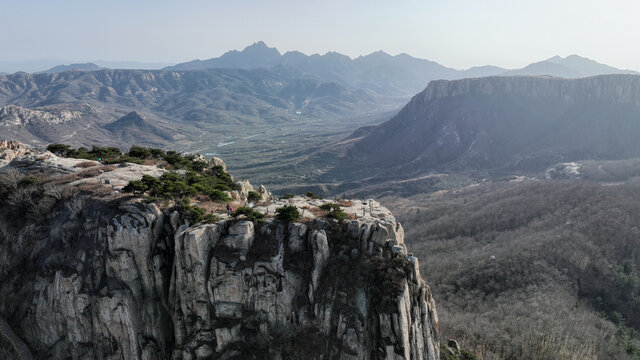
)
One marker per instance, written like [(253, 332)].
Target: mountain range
[(399, 75), (194, 106), (34, 66), (488, 127)]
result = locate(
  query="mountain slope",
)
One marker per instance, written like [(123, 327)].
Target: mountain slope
[(532, 269), (518, 123), (199, 106)]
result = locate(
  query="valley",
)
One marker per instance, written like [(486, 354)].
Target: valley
[(516, 189)]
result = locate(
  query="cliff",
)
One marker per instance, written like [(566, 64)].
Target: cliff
[(110, 277), (521, 123)]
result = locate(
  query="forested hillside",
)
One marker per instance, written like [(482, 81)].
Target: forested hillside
[(534, 269)]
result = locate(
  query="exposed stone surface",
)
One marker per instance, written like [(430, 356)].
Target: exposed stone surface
[(243, 187), (127, 280), (12, 115), (216, 161), (571, 170), (9, 150)]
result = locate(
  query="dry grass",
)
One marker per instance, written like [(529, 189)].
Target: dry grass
[(87, 164), (98, 189), (154, 162), (317, 212), (346, 203)]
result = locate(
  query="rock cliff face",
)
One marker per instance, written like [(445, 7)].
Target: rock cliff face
[(124, 280), (524, 123)]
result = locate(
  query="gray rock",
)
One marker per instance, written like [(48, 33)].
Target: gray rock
[(149, 287)]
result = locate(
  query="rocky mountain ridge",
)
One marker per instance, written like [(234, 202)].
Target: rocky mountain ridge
[(184, 108), (114, 278), (515, 123), (401, 74)]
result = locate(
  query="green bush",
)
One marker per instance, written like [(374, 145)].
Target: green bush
[(288, 213), (59, 149), (172, 185), (248, 212), (287, 196), (136, 187), (311, 195), (219, 195), (210, 219), (254, 196), (136, 154), (139, 152), (333, 211), (193, 213)]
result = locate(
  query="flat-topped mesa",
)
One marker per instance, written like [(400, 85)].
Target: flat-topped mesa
[(623, 89), (134, 282)]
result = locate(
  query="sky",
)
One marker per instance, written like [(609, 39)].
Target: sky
[(455, 33)]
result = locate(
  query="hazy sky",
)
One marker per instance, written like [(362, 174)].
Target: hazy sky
[(456, 33)]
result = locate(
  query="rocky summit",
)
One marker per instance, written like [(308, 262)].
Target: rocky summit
[(114, 277)]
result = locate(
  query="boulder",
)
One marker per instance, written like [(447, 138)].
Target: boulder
[(243, 187), (216, 161)]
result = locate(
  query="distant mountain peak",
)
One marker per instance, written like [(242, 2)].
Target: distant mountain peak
[(555, 59), (73, 67), (260, 47), (133, 118), (259, 44), (378, 54)]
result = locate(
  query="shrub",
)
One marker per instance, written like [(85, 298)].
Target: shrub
[(333, 211), (136, 154), (136, 187), (287, 196), (139, 152), (59, 149), (210, 219), (173, 185), (254, 196), (248, 212), (288, 213), (193, 213), (311, 195), (219, 195)]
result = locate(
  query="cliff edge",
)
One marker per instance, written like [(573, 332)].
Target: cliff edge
[(113, 277)]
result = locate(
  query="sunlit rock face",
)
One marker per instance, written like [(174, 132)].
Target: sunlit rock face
[(128, 280)]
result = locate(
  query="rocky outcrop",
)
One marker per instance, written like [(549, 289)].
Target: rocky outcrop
[(10, 150), (570, 170), (12, 115), (129, 281)]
